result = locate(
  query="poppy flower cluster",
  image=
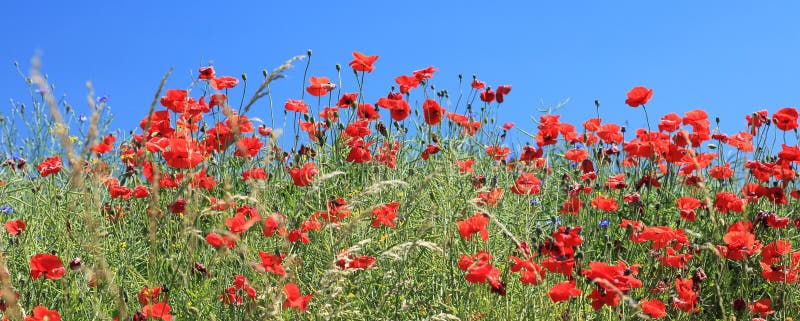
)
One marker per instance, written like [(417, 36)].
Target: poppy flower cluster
[(597, 211)]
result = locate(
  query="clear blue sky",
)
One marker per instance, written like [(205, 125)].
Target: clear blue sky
[(727, 57)]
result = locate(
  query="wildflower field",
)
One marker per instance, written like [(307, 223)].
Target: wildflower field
[(406, 205)]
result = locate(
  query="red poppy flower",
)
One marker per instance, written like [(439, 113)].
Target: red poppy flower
[(263, 130), (319, 86), (610, 133), (785, 118), (248, 146), (531, 273), (406, 83), (294, 299), (479, 270), (727, 201), (274, 224), (303, 176), (270, 263), (762, 307), (576, 155), (618, 277), (572, 206), (527, 184), (465, 166), (48, 265), (15, 227), (387, 154), (254, 174), (224, 82), (743, 141), (175, 100), (687, 299), (230, 296), (432, 111), (149, 295), (183, 153), (41, 313), (207, 73), (774, 221), (502, 90), (789, 153), (244, 125), (669, 123), (218, 241), (603, 297), (347, 100), (607, 204), (363, 62), (654, 308), (385, 214), (354, 262), (498, 152), (740, 241), (563, 291), (106, 146), (430, 150), (158, 310), (638, 96), (426, 73), (674, 259), (487, 95), (721, 172), (773, 252), (296, 105), (359, 151), (330, 113), (220, 204), (399, 109), (491, 197), (51, 165), (298, 236), (687, 205), (473, 225)]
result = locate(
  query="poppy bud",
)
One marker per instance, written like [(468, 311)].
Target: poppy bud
[(308, 52), (75, 264), (244, 76), (338, 67), (739, 304), (597, 103)]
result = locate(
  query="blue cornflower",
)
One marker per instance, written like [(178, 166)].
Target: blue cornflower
[(101, 99), (556, 222), (82, 118), (604, 223), (535, 202), (7, 209)]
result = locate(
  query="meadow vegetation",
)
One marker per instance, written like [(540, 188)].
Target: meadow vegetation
[(413, 205)]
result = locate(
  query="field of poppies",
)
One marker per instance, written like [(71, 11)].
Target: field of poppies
[(337, 205)]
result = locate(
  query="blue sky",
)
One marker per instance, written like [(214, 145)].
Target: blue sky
[(727, 57)]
